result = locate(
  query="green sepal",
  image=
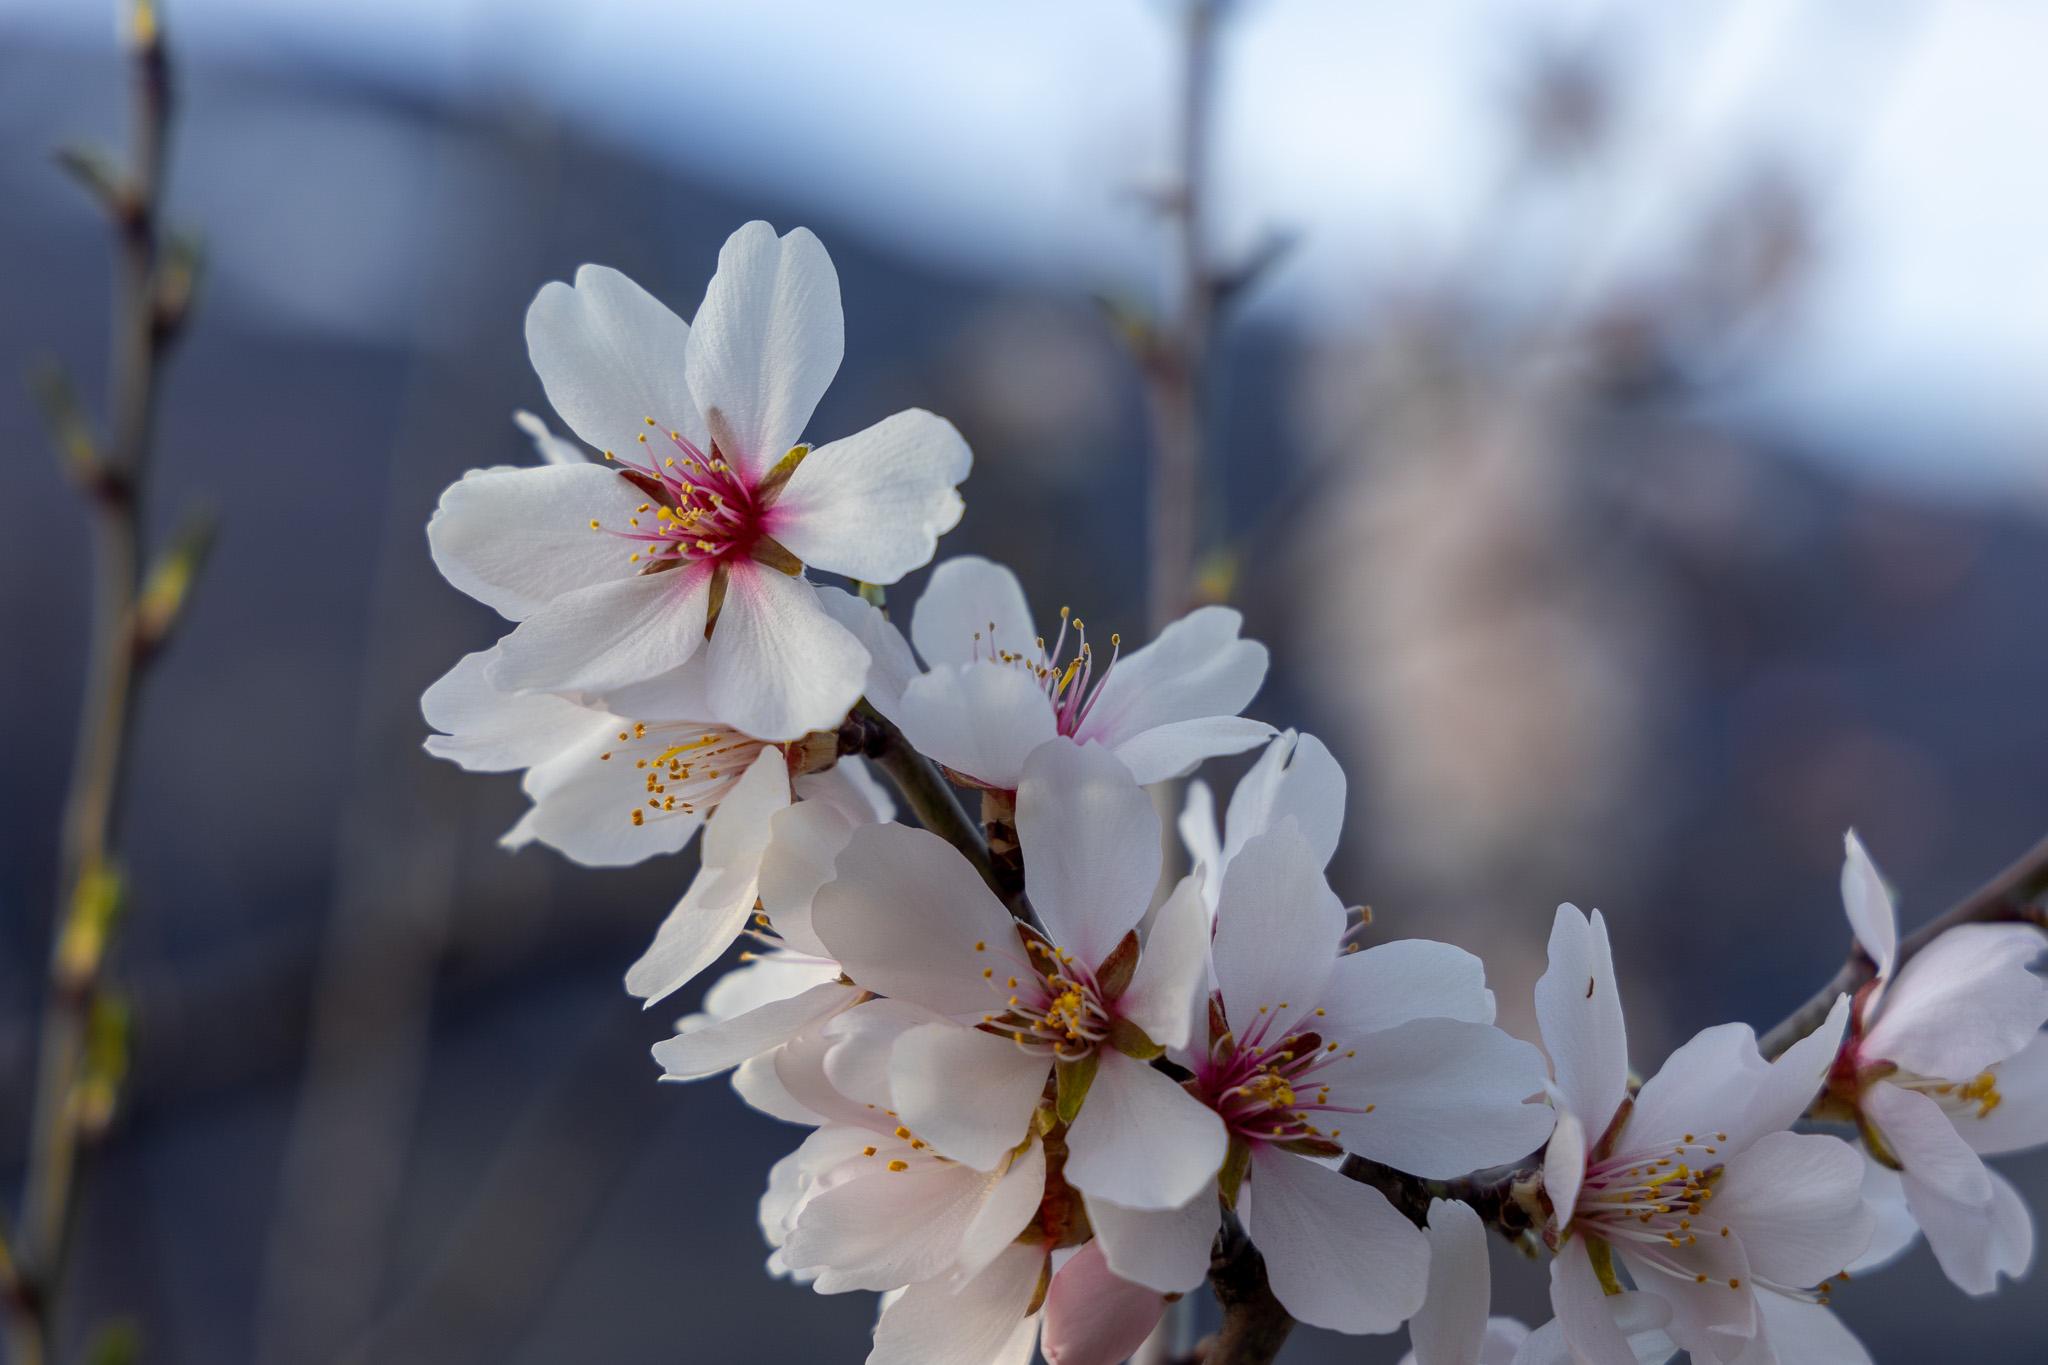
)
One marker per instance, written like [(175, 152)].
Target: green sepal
[(1237, 1160), (1074, 1078), (1127, 1038)]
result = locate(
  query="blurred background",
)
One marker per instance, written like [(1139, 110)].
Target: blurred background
[(1634, 446)]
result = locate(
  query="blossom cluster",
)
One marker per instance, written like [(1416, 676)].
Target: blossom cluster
[(1040, 1068)]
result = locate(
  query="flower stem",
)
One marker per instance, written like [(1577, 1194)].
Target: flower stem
[(931, 798), (70, 1105)]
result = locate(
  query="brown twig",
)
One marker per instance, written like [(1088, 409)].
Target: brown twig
[(153, 291), (1255, 1326), (931, 799)]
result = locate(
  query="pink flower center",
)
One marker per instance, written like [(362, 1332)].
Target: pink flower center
[(1651, 1202), (699, 509), (1266, 1090), (1047, 999), (1071, 683)]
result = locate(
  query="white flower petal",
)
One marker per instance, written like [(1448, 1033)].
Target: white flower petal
[(971, 609), (1337, 1253), (980, 720), (1140, 1139), (606, 636), (1090, 837), (969, 1094), (1893, 1230), (1795, 1200), (850, 787), (1013, 1200), (1094, 1318), (680, 693), (1975, 1243), (492, 731), (1171, 985), (903, 918), (610, 356), (1712, 1317), (1446, 1097), (765, 345), (517, 539), (1197, 668), (1450, 1327), (873, 505), (1413, 978), (719, 1045), (1296, 777), (1277, 928), (551, 448), (761, 980), (1792, 1332), (1578, 1010), (1564, 1166), (886, 1228), (1177, 748), (1579, 1301), (1868, 903), (801, 1067), (583, 806), (1163, 1249), (779, 666), (721, 896), (1926, 1143), (1641, 1318), (981, 1322), (1197, 826), (1719, 1083), (757, 1082), (1964, 1002), (890, 664), (863, 1041), (2021, 1119), (804, 841)]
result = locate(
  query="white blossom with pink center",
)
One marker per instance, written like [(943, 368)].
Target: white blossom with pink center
[(1388, 1053), (998, 1005), (994, 687), (1694, 1188), (679, 555), (1947, 1064)]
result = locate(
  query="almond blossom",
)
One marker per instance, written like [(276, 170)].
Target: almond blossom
[(680, 554), (1388, 1053), (1694, 1187), (1947, 1064), (993, 688), (1001, 1005)]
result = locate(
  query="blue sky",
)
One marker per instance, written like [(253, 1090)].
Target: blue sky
[(1009, 137)]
